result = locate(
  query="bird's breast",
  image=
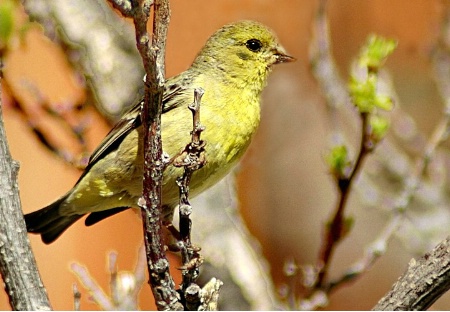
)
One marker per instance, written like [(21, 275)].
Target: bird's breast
[(231, 117)]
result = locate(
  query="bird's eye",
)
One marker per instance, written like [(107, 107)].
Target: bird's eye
[(253, 45)]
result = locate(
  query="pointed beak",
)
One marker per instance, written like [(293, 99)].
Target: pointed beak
[(282, 57)]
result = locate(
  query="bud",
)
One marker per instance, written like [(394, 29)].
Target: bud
[(338, 161), (375, 52)]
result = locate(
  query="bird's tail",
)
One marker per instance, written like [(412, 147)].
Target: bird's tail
[(48, 222)]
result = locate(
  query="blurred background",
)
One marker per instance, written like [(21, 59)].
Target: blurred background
[(285, 192)]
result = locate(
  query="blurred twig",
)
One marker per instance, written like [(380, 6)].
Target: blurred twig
[(18, 269), (336, 227), (76, 298), (430, 275), (78, 160), (124, 286), (230, 251), (441, 62), (366, 99), (325, 69), (99, 44)]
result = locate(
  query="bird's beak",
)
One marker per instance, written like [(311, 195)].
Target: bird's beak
[(282, 57)]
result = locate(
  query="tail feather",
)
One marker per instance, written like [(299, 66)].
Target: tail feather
[(98, 216), (48, 222)]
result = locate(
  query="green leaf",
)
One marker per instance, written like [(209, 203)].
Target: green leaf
[(375, 52), (363, 93), (384, 102), (338, 160), (380, 126), (348, 224), (6, 21)]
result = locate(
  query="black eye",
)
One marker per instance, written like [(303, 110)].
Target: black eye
[(253, 45)]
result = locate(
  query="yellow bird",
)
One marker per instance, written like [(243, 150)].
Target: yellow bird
[(232, 68)]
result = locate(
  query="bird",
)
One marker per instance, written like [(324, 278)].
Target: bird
[(232, 68)]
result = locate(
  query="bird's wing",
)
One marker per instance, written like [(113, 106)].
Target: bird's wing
[(132, 120)]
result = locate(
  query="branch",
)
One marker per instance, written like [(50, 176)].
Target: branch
[(91, 34), (23, 284), (325, 70), (337, 227), (422, 284), (124, 286), (431, 274), (152, 53), (191, 159)]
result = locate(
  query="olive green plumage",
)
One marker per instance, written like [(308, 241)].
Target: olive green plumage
[(232, 68)]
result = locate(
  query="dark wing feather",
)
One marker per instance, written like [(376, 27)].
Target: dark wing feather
[(132, 120)]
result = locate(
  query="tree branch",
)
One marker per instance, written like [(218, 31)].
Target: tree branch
[(422, 284), (152, 52), (191, 159), (91, 34)]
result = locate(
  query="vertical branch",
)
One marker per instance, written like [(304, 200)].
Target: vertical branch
[(191, 159), (368, 100), (152, 52), (324, 69), (162, 284)]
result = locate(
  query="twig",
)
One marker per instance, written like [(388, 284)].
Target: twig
[(32, 118), (96, 292), (81, 30), (379, 246), (76, 297), (325, 69), (125, 7), (326, 73), (372, 253), (422, 284), (441, 62), (191, 159), (124, 286), (210, 295), (336, 227)]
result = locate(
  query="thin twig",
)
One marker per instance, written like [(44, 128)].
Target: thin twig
[(34, 122), (80, 31), (325, 70), (191, 159), (336, 227), (379, 246), (89, 283), (76, 297), (441, 63), (124, 286)]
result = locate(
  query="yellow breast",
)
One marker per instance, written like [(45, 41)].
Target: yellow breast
[(230, 120)]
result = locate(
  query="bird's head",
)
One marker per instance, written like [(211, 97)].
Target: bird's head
[(243, 50)]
